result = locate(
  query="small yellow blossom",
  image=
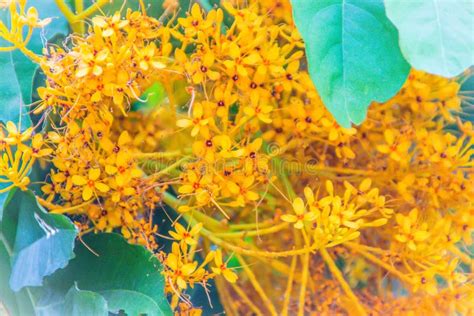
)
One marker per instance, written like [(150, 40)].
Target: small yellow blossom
[(90, 184), (182, 234), (221, 268), (410, 232), (301, 217)]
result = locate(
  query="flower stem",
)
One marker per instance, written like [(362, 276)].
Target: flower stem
[(55, 209), (90, 10), (246, 299), (256, 253), (208, 221), (340, 278), (250, 233), (355, 247), (79, 6), (158, 155), (258, 288), (304, 282), (250, 225), (37, 59), (168, 169), (69, 15), (7, 188), (283, 177), (464, 257), (289, 287)]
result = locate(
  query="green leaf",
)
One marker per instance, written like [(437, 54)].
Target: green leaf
[(41, 242), (127, 276), (15, 303), (353, 54), (17, 70), (7, 296), (13, 108), (435, 35), (3, 197), (79, 303), (50, 301), (152, 97)]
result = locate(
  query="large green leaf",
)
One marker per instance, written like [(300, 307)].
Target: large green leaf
[(17, 70), (12, 108), (436, 36), (79, 303), (3, 197), (7, 296), (353, 54), (50, 301), (41, 243), (127, 276), (18, 303)]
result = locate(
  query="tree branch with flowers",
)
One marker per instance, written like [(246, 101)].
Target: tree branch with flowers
[(196, 158)]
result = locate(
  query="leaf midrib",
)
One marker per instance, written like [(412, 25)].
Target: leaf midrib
[(440, 35), (343, 4)]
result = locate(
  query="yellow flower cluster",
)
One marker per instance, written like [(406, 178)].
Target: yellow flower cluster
[(320, 219), (182, 270), (337, 220), (92, 87), (19, 151), (22, 22)]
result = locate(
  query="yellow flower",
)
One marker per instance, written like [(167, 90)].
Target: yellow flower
[(396, 147), (410, 231), (92, 63), (195, 21), (199, 122), (244, 84), (15, 136), (221, 268), (243, 190), (426, 282), (147, 57), (364, 192), (31, 19), (302, 216), (90, 184), (181, 271), (200, 68), (118, 87), (224, 147), (37, 144), (182, 234), (260, 111), (223, 100), (452, 274), (336, 132), (110, 26)]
